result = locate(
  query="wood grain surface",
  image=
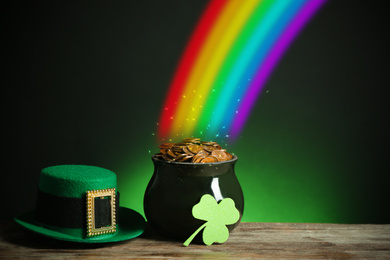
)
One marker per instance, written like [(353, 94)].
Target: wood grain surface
[(247, 241)]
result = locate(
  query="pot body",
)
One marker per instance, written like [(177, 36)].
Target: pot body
[(176, 187)]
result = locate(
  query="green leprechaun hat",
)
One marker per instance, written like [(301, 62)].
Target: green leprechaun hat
[(80, 203)]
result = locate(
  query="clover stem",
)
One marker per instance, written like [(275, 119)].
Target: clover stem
[(188, 241)]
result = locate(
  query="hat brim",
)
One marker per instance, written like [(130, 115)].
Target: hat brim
[(131, 225)]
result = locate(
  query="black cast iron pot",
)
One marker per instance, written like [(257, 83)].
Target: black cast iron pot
[(176, 187)]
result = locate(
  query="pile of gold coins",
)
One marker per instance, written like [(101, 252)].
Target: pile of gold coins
[(193, 150)]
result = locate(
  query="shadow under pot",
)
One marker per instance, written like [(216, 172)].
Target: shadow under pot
[(176, 187)]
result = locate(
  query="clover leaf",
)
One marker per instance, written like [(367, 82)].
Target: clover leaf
[(217, 216)]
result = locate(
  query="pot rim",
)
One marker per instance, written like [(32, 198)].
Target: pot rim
[(156, 159)]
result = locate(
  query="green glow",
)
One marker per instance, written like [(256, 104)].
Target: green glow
[(289, 175), (133, 181), (284, 185), (281, 187), (291, 168)]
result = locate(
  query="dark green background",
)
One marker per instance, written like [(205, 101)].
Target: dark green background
[(84, 82)]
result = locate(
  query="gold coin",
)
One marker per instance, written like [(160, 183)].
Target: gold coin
[(208, 148), (191, 140), (187, 151), (217, 146), (197, 158), (171, 153), (194, 148), (221, 155), (208, 143), (182, 158), (177, 149), (203, 152), (209, 159), (166, 145), (229, 156)]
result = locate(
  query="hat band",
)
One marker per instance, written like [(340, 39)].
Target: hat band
[(71, 212)]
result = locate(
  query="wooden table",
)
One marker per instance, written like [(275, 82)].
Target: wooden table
[(247, 241)]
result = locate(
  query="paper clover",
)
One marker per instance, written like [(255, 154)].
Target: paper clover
[(217, 216)]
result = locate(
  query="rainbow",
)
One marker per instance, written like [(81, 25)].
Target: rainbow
[(226, 63)]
